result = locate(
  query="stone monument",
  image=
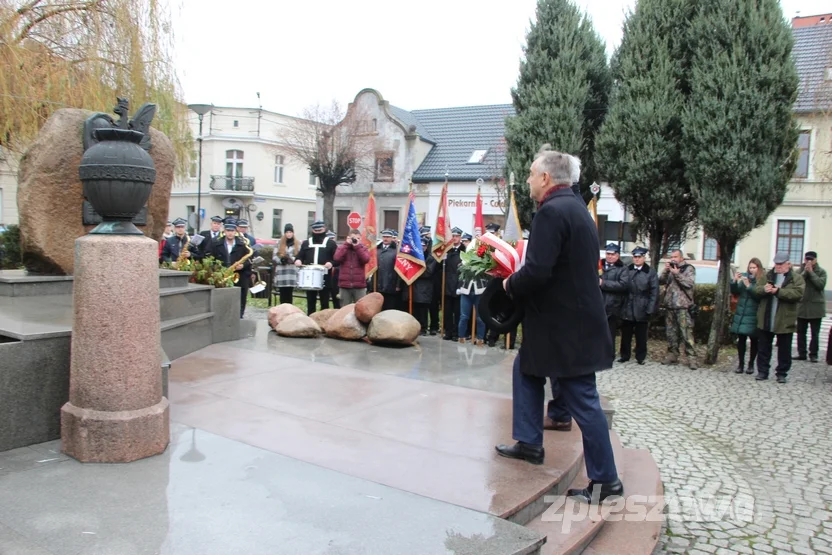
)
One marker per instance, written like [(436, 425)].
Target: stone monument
[(50, 198), (116, 411)]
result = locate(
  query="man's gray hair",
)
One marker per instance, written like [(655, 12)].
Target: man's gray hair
[(564, 169)]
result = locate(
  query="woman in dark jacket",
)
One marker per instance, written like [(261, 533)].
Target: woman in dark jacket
[(422, 289), (642, 284), (744, 324)]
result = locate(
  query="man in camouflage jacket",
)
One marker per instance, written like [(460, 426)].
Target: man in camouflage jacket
[(679, 277)]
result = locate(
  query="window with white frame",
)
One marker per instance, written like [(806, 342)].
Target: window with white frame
[(277, 223), (234, 163), (803, 143), (711, 249), (312, 180), (278, 169), (790, 237)]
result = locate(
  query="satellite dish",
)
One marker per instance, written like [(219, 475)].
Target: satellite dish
[(252, 207), (230, 202)]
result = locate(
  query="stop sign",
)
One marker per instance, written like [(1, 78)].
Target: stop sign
[(354, 220)]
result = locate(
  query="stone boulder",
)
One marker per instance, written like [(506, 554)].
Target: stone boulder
[(322, 316), (50, 195), (344, 325), (394, 327), (298, 325), (368, 306), (278, 313)]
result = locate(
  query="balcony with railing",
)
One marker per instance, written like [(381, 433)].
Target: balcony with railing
[(236, 185)]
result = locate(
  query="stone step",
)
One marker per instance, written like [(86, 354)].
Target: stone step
[(172, 278), (182, 336), (18, 283), (635, 533), (570, 526), (178, 302)]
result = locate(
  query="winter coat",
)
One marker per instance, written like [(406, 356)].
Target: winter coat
[(173, 246), (469, 286), (788, 299), (813, 304), (220, 252), (351, 260), (423, 286), (642, 293), (565, 330), (387, 279), (679, 292), (614, 288), (285, 272), (452, 262), (745, 317)]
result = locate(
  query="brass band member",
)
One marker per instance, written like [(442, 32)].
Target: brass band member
[(230, 251)]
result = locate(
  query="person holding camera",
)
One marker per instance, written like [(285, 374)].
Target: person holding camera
[(780, 292), (812, 307), (351, 257), (744, 323), (679, 277)]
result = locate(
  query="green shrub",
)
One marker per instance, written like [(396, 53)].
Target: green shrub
[(704, 295), (10, 245)]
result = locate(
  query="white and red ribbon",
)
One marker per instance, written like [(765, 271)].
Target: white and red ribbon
[(509, 259)]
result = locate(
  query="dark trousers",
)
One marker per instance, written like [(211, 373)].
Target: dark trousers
[(614, 322), (494, 337), (629, 327), (391, 301), (420, 312), (451, 317), (802, 327), (312, 299), (579, 396), (286, 295), (741, 340), (243, 285), (434, 312), (784, 353)]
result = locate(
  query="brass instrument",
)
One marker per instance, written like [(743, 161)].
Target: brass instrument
[(183, 263), (230, 272)]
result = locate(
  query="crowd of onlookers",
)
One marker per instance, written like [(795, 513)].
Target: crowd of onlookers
[(770, 304)]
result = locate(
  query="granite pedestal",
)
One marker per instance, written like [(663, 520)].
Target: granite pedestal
[(116, 411)]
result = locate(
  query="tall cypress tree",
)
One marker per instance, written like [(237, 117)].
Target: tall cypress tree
[(639, 145), (561, 95), (739, 133)]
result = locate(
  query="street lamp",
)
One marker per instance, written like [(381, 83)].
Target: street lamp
[(201, 110)]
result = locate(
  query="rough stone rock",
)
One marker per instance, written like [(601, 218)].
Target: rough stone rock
[(322, 316), (50, 195), (281, 311), (394, 327), (298, 325), (344, 325), (368, 306)]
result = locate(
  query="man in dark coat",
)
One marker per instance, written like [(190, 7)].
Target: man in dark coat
[(230, 250), (211, 235), (452, 263), (613, 287), (388, 282), (642, 285), (422, 288), (565, 332), (318, 250)]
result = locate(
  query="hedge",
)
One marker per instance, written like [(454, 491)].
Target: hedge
[(10, 253)]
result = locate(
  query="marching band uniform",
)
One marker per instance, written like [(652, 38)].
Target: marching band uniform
[(230, 253), (452, 304), (211, 236), (173, 244), (318, 250)]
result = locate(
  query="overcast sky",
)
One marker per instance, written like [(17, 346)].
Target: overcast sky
[(425, 54)]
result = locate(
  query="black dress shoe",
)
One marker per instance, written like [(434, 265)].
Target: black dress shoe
[(761, 377), (799, 357), (433, 332), (782, 379), (622, 359), (749, 370), (523, 451), (596, 492), (641, 362), (740, 369), (447, 338), (813, 358)]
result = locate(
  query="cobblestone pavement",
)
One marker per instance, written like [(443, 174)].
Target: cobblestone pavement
[(761, 445)]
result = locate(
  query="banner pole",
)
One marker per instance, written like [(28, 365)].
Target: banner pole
[(508, 340), (375, 281), (442, 320), (410, 297), (474, 324)]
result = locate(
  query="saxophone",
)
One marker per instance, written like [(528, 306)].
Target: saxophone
[(230, 273), (181, 261)]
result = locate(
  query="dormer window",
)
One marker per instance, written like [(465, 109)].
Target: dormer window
[(477, 157)]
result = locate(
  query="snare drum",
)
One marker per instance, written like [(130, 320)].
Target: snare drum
[(311, 277)]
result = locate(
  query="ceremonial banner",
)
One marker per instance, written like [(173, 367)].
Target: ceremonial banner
[(369, 238), (512, 231), (479, 227), (410, 259), (442, 238)]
